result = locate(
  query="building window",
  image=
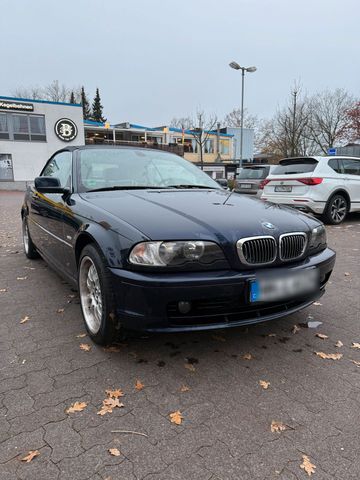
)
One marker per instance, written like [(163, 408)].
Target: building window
[(15, 126), (209, 146), (21, 127), (4, 127), (195, 146), (224, 146), (37, 128)]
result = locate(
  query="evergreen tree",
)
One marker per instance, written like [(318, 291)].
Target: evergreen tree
[(85, 105), (97, 108), (72, 97)]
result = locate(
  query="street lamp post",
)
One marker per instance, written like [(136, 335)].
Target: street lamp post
[(236, 66)]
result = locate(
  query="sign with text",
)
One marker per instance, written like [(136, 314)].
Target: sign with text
[(8, 105)]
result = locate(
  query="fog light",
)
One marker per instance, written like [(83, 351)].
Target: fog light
[(184, 307)]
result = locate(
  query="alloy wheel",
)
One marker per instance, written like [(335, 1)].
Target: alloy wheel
[(338, 209), (90, 294)]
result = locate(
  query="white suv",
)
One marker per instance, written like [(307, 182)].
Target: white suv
[(329, 186)]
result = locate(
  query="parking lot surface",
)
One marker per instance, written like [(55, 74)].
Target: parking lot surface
[(305, 411)]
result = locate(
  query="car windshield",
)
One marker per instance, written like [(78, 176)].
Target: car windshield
[(122, 168), (295, 165), (253, 173)]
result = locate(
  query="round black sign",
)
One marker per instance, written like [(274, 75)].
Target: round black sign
[(66, 129)]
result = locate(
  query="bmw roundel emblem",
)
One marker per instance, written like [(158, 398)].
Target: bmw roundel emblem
[(268, 225)]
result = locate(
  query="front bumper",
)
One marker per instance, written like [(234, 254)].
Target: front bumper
[(149, 301)]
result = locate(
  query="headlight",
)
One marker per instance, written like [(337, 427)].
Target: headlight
[(173, 254), (318, 237)]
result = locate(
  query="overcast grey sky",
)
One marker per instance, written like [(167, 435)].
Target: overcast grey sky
[(156, 59)]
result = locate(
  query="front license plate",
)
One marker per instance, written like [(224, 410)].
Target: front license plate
[(245, 185), (274, 288), (283, 188)]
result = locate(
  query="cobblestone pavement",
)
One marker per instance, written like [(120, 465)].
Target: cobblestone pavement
[(225, 432)]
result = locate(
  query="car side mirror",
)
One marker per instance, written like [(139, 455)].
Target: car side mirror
[(222, 182), (50, 185)]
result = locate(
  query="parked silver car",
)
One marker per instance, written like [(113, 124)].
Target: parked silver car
[(251, 177)]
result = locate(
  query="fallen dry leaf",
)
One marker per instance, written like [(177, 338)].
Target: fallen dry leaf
[(76, 407), (176, 417), (264, 384), (355, 345), (21, 278), (355, 362), (184, 388), (295, 329), (317, 304), (329, 356), (114, 393), (138, 385), (321, 335), (25, 319), (339, 344), (81, 335), (31, 454), (85, 346), (190, 367), (219, 338), (307, 465), (60, 310), (112, 349), (108, 405), (247, 356), (115, 452), (277, 426)]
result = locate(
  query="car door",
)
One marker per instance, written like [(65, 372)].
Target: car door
[(351, 175), (46, 209)]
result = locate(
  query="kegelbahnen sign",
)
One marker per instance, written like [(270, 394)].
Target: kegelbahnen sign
[(27, 107)]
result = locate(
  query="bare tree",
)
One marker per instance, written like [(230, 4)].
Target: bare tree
[(329, 117), (33, 93), (181, 122), (352, 130), (287, 133), (233, 119), (201, 128), (56, 92)]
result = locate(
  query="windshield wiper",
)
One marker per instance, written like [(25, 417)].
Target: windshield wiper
[(125, 187), (192, 186)]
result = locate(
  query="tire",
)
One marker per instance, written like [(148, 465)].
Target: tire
[(29, 247), (96, 297), (336, 210)]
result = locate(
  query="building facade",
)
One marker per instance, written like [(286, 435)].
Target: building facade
[(30, 132)]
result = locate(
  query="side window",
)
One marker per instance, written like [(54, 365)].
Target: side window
[(351, 167), (336, 165), (60, 167)]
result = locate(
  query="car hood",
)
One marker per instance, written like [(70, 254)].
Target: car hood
[(195, 214)]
